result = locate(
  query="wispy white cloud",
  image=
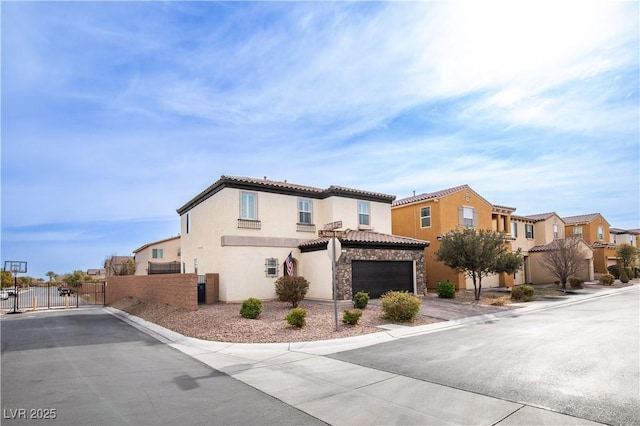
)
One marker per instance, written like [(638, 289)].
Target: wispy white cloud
[(110, 117)]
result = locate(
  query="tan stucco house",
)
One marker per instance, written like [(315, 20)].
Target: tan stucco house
[(533, 235), (244, 228), (159, 257), (594, 230), (428, 216)]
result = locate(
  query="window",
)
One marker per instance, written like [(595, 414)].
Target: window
[(304, 212), (514, 229), (555, 231), (248, 206), (468, 217), (600, 233), (271, 267), (577, 231), (528, 231), (156, 253), (364, 216), (425, 217), (188, 222)]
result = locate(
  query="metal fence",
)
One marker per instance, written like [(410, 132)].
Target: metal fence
[(51, 296)]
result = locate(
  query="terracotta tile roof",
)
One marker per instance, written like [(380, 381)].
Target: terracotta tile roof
[(536, 217), (155, 242), (430, 195), (283, 187), (354, 237), (442, 193), (624, 231), (585, 218)]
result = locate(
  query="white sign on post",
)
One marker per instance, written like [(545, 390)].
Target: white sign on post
[(333, 225), (334, 249)]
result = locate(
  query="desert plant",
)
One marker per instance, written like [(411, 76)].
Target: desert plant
[(360, 300), (400, 306), (500, 301), (607, 279), (446, 290), (351, 317), (624, 275), (576, 282), (291, 289), (297, 317), (522, 293), (251, 308)]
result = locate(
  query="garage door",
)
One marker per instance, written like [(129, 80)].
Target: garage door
[(377, 278)]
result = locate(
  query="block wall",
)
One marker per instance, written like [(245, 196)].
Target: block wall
[(172, 289)]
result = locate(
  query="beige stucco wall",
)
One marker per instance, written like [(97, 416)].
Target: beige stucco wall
[(238, 254), (316, 268), (540, 275)]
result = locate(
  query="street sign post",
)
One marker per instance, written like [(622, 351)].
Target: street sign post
[(334, 248)]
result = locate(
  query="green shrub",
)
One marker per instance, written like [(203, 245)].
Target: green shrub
[(351, 317), (624, 276), (576, 282), (615, 271), (446, 290), (251, 308), (291, 289), (400, 306), (360, 300), (297, 317), (636, 272), (607, 279), (522, 293)]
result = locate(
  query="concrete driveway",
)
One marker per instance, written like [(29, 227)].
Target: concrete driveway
[(86, 367)]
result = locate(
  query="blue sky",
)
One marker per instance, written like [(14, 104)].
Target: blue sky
[(114, 114)]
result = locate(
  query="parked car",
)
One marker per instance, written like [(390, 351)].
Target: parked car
[(64, 290), (11, 291), (4, 295)]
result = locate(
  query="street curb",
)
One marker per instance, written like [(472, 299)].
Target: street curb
[(326, 347)]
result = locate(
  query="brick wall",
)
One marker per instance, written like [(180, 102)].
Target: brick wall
[(172, 289)]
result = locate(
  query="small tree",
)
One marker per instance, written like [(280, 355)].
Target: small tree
[(563, 259), (627, 254), (7, 279), (75, 279), (52, 276), (478, 253)]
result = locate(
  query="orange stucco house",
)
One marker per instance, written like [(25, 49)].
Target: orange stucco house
[(430, 215), (594, 230)]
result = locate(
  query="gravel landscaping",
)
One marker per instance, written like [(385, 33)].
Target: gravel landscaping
[(223, 323)]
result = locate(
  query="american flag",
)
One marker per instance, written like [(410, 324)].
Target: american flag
[(289, 264)]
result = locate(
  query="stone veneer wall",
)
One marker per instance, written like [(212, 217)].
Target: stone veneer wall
[(344, 270)]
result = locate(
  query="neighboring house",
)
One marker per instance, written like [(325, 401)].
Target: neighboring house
[(160, 257), (533, 234), (244, 229), (430, 215), (97, 274), (624, 236), (594, 230)]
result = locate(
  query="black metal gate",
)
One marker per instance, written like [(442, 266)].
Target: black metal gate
[(51, 295)]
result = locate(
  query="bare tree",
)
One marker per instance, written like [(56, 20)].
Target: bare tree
[(563, 259)]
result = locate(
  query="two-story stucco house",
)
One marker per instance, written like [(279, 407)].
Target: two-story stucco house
[(428, 216), (159, 257), (594, 230), (533, 235), (244, 229), (624, 236)]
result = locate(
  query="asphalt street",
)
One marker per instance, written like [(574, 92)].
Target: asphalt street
[(86, 367), (582, 360)]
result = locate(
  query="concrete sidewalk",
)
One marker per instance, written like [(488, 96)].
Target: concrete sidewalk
[(342, 393)]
